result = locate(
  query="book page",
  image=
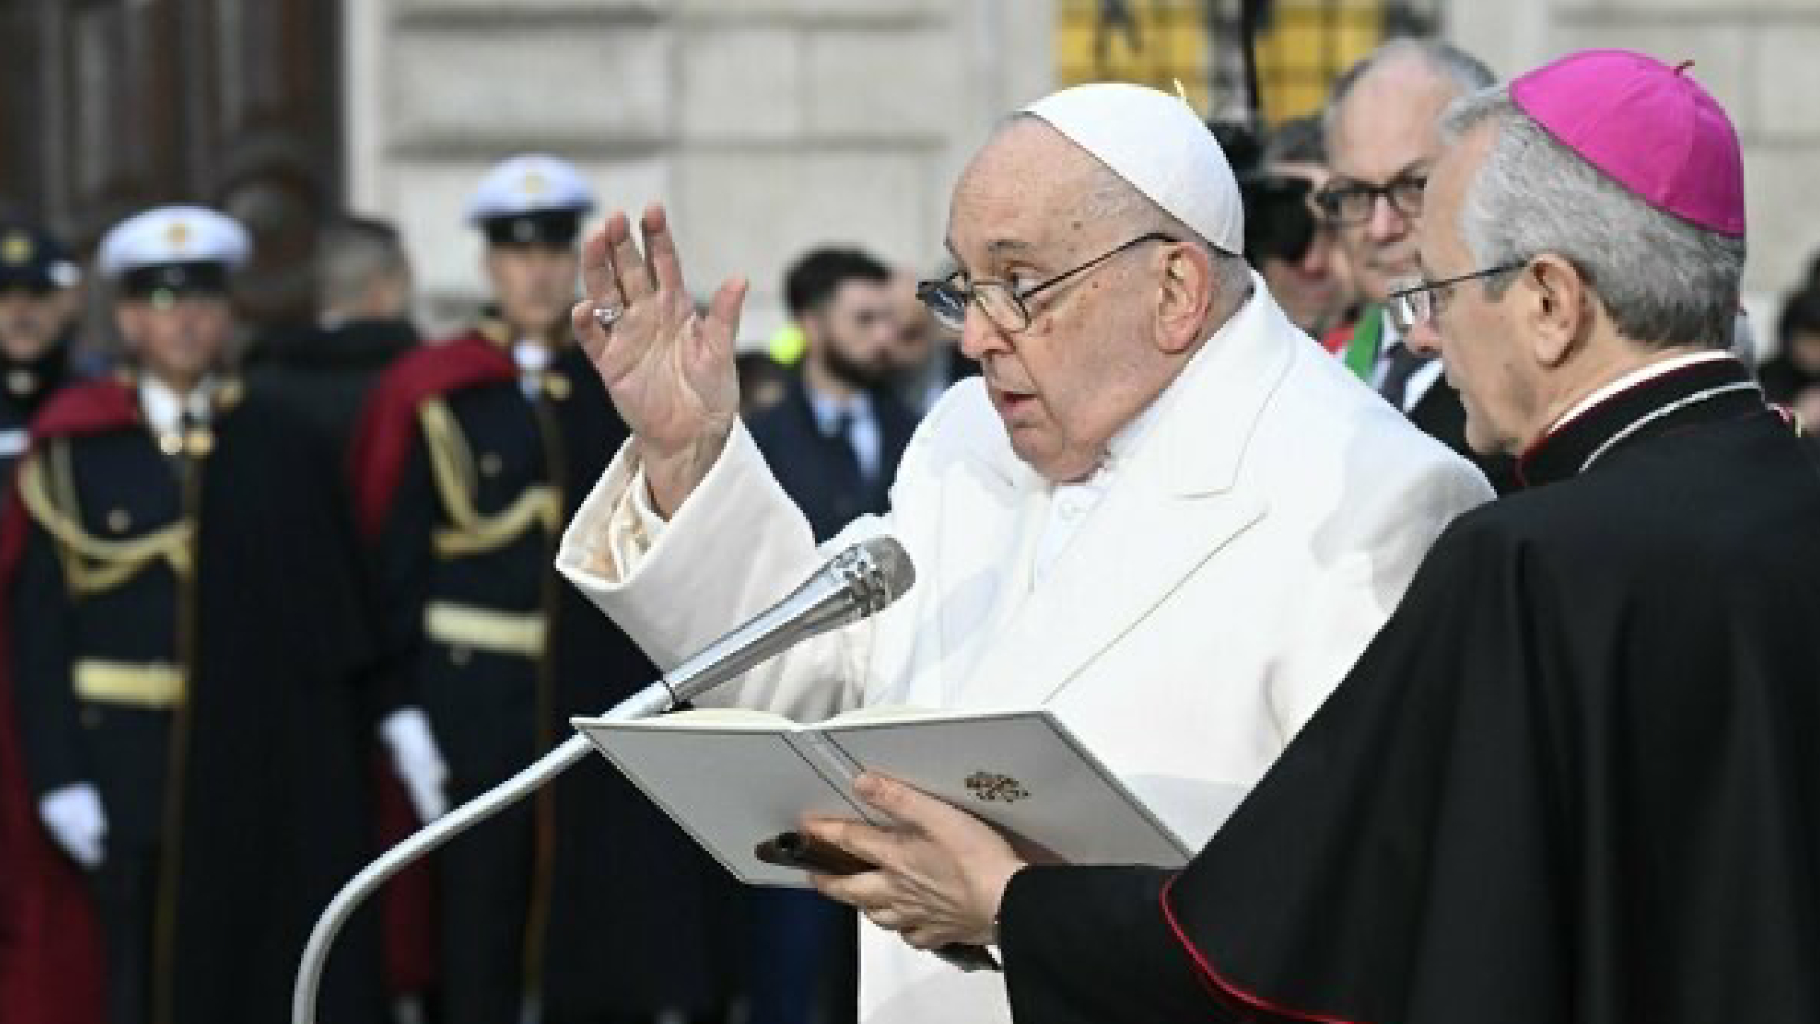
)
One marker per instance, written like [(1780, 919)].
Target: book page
[(1024, 772), (730, 788)]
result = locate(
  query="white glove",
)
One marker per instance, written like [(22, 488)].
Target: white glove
[(414, 755), (74, 817)]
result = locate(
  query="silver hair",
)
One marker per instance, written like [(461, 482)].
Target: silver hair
[(1664, 281), (351, 253), (1468, 74)]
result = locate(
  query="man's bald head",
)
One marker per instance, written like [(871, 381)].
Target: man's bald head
[(1383, 128), (1426, 64)]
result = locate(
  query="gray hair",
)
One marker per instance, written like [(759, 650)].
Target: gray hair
[(1663, 280), (351, 253), (1468, 74)]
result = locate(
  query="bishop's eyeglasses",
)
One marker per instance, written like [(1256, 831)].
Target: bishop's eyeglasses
[(1003, 302), (1414, 301)]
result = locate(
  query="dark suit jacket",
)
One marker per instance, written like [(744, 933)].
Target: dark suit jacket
[(1441, 416), (820, 473)]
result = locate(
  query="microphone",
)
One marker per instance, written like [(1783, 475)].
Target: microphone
[(854, 584), (860, 581)]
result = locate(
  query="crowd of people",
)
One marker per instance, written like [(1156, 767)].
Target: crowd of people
[(271, 605), (273, 599)]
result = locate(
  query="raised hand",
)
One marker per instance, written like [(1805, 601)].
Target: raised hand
[(669, 370)]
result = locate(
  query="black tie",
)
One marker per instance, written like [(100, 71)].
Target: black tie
[(842, 432), (1403, 365)]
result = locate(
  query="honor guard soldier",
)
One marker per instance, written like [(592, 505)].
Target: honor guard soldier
[(185, 636), (38, 303), (470, 457)]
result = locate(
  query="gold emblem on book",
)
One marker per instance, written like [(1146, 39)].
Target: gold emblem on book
[(992, 787)]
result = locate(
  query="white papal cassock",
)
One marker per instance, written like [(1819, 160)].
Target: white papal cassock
[(1184, 612)]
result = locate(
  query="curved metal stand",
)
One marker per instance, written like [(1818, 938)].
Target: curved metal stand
[(652, 700)]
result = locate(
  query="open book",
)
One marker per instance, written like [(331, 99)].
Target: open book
[(734, 778)]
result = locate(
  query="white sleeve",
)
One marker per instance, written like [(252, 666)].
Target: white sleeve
[(736, 546)]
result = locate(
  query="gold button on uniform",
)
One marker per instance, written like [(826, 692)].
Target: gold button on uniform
[(460, 655), (556, 386), (119, 521), (491, 464)]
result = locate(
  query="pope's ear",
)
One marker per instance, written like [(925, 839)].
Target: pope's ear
[(1556, 307), (1190, 288)]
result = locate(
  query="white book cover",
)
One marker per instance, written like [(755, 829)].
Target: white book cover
[(734, 778)]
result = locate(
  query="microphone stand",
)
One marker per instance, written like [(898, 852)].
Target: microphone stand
[(652, 700)]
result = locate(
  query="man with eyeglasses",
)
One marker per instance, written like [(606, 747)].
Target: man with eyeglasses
[(1162, 512), (1382, 138), (1573, 778)]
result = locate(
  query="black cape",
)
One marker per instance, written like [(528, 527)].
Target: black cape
[(1572, 780), (324, 373), (273, 803)]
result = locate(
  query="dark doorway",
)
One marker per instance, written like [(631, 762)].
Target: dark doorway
[(110, 106)]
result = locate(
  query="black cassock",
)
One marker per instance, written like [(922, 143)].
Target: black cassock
[(1574, 779)]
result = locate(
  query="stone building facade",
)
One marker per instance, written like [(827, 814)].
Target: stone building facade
[(767, 126)]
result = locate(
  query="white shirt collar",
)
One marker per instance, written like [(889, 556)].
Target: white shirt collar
[(1635, 377), (164, 409), (828, 409)]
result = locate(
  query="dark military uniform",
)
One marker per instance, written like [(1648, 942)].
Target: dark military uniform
[(585, 894), (187, 635), (34, 263), (24, 387)]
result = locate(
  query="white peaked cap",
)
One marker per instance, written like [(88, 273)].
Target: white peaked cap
[(174, 234), (530, 183), (1159, 144)]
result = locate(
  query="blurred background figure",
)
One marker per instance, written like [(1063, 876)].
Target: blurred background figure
[(1296, 250), (927, 357), (1792, 376), (763, 382), (586, 903), (835, 439), (1382, 134), (363, 322), (38, 305), (1287, 239), (187, 636), (833, 442)]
